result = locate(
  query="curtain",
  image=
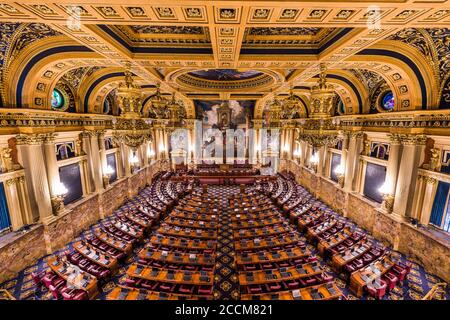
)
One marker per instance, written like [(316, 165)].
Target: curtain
[(335, 161), (111, 161), (375, 176), (439, 203), (5, 222)]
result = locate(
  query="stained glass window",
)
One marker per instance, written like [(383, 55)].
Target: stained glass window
[(57, 99), (388, 101)]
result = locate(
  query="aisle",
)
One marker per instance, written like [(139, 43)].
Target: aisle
[(226, 285)]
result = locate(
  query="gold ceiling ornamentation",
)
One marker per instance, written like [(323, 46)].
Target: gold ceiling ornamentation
[(130, 128)]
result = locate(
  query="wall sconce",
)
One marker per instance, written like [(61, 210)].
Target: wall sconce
[(340, 172), (314, 161), (107, 175), (57, 200), (297, 155), (388, 198), (134, 162)]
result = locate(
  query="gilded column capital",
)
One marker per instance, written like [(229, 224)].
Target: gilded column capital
[(428, 179), (49, 138), (31, 139), (395, 138), (356, 135), (15, 180), (414, 139)]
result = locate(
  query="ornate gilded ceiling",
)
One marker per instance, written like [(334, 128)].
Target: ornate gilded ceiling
[(403, 43)]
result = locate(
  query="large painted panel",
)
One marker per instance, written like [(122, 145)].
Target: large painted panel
[(231, 114)]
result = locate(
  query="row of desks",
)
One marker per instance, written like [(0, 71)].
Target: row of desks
[(328, 291), (124, 293)]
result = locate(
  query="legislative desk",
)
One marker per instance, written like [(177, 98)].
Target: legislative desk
[(124, 293), (338, 261), (134, 218), (261, 232), (93, 254), (307, 219), (325, 245), (185, 223), (254, 216), (127, 229), (277, 275), (295, 214), (267, 256), (183, 243), (318, 230), (180, 277), (75, 276), (193, 216), (177, 257), (258, 244), (257, 223), (119, 244), (187, 232), (360, 278), (326, 291)]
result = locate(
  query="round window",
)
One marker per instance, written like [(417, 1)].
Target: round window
[(57, 99), (388, 101)]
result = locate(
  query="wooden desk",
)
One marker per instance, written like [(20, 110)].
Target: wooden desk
[(183, 243), (259, 223), (177, 258), (254, 216), (360, 278), (187, 232), (144, 223), (193, 216), (129, 230), (325, 245), (328, 291), (119, 244), (338, 261), (278, 256), (260, 232), (185, 223), (81, 280), (178, 276), (124, 293), (259, 276), (266, 243), (103, 259)]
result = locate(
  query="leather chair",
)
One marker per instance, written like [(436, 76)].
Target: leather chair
[(37, 277), (391, 280), (378, 293)]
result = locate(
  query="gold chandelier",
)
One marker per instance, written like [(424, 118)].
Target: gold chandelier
[(322, 96), (130, 128), (159, 104)]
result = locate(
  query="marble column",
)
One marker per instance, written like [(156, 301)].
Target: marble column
[(14, 208), (31, 156), (125, 151), (413, 148), (424, 211), (345, 141), (86, 147), (351, 168), (321, 152), (102, 150), (393, 163), (97, 170), (51, 164)]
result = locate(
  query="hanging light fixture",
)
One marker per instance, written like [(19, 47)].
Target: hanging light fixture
[(275, 109), (159, 104), (290, 105), (176, 112), (322, 96), (130, 128)]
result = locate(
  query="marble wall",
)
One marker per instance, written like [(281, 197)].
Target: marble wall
[(113, 197), (20, 251)]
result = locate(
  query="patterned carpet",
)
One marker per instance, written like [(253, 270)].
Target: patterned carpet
[(226, 285)]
